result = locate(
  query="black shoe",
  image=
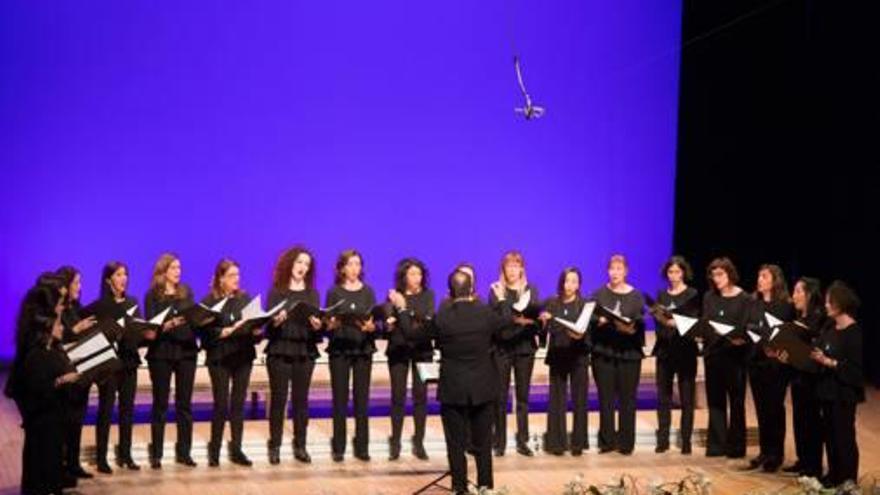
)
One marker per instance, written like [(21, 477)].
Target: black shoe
[(605, 450), (104, 467), (393, 449), (771, 465), (757, 462), (577, 452), (155, 463), (661, 448), (418, 450), (625, 451), (78, 472), (213, 455), (185, 460), (523, 449), (236, 456), (686, 448), (300, 454), (662, 442), (556, 452), (499, 452), (274, 455), (714, 453), (68, 481), (128, 463), (337, 457), (362, 456), (794, 469)]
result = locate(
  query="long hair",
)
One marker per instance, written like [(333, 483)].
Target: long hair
[(106, 274), (284, 265), (67, 274), (779, 290), (560, 285), (222, 267), (400, 273), (512, 257), (340, 264), (157, 282), (813, 289), (722, 263)]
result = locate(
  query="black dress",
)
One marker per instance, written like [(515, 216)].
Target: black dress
[(291, 354), (805, 404), (77, 395), (408, 344), (43, 411), (567, 359), (173, 352), (617, 365), (676, 356)]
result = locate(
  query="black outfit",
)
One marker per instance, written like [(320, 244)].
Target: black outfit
[(769, 379), (567, 359), (725, 365), (514, 350), (676, 357), (172, 352), (43, 416), (121, 384), (805, 405), (291, 355), (351, 357), (77, 395), (468, 387), (617, 365), (409, 344), (839, 391), (229, 363)]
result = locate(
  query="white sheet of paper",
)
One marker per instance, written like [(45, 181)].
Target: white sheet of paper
[(583, 321), (160, 318), (253, 309), (428, 371), (219, 306), (772, 321), (721, 328), (774, 333), (523, 302), (95, 361), (755, 337), (121, 322), (132, 310), (93, 344), (683, 323)]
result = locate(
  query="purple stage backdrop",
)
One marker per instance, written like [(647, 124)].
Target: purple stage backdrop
[(216, 129)]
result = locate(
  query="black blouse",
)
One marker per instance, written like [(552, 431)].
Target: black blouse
[(733, 310), (178, 343), (410, 340), (110, 308), (845, 383), (514, 338), (349, 339), (232, 349), (670, 344), (606, 339), (781, 310), (561, 347), (293, 339)]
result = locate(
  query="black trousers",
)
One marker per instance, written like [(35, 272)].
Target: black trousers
[(184, 372), (77, 402), (839, 427), (522, 366), (467, 426), (123, 385), (805, 418), (769, 382), (398, 370), (354, 369), (617, 381), (289, 377), (229, 383), (41, 460), (726, 386), (568, 378), (684, 368)]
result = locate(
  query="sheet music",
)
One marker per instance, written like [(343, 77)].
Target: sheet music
[(107, 355), (579, 326), (90, 346), (683, 323), (523, 302), (721, 328)]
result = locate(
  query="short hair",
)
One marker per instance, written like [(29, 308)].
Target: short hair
[(460, 284), (342, 260), (843, 298), (722, 263), (680, 262)]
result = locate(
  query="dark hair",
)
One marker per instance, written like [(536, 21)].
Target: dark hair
[(680, 262), (722, 263), (400, 273), (813, 289), (106, 274), (222, 267), (560, 285), (37, 312), (842, 297), (342, 260), (67, 274), (779, 290), (469, 266), (158, 280), (284, 265), (460, 284)]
